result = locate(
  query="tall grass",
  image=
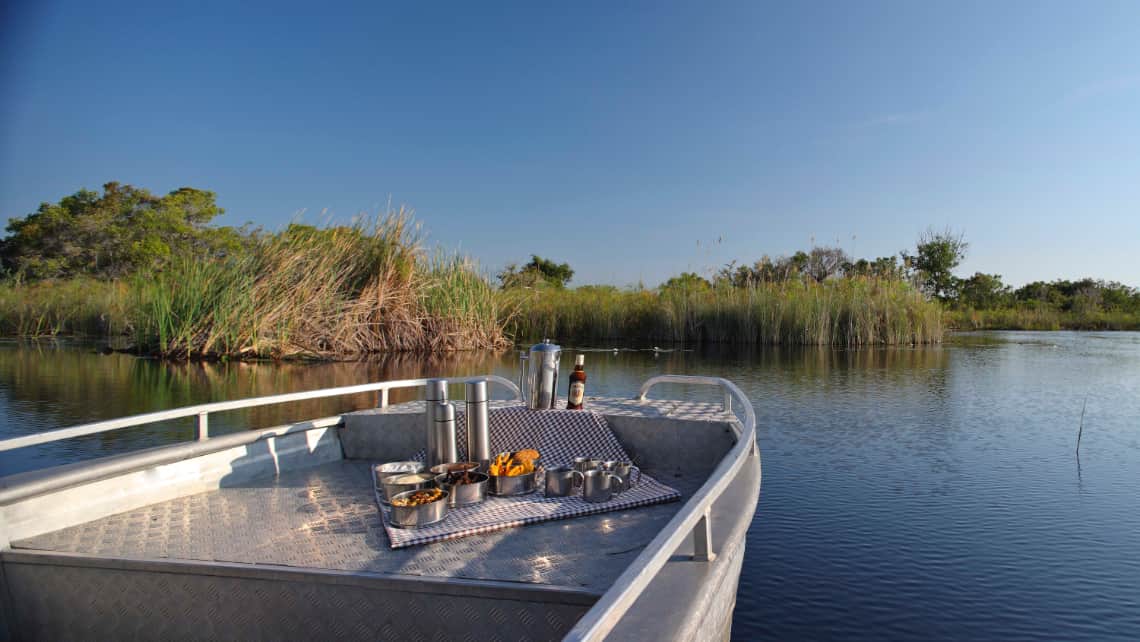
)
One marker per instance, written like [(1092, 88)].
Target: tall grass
[(75, 306), (340, 292), (843, 312), (1040, 319)]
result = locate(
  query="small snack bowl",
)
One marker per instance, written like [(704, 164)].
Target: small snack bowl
[(463, 488), (517, 485), (455, 467), (416, 515), (397, 484), (383, 471)]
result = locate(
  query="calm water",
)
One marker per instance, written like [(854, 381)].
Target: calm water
[(925, 493)]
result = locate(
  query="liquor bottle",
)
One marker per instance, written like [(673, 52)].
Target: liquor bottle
[(577, 384)]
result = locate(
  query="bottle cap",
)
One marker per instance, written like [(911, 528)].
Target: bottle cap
[(580, 360)]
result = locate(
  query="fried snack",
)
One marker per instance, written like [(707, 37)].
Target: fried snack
[(419, 498), (527, 454), (514, 464)]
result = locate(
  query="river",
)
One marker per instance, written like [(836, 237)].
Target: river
[(930, 493)]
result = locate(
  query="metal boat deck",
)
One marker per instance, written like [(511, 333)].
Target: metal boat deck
[(275, 534), (326, 517)]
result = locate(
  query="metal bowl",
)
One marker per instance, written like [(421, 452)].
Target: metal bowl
[(455, 467), (517, 485), (465, 494), (416, 516), (383, 471), (397, 484)]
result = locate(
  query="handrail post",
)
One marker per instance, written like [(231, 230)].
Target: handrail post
[(203, 426), (382, 402), (702, 539), (727, 400)]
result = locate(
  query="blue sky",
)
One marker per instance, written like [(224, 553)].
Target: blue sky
[(632, 141)]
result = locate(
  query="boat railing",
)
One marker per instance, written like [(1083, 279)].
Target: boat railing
[(203, 411), (694, 518)]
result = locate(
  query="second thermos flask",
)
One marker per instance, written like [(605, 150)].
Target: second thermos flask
[(478, 423), (443, 435), (435, 395)]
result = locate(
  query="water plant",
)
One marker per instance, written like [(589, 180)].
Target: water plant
[(848, 312)]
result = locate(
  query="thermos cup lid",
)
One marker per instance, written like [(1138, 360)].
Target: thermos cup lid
[(476, 390), (436, 390)]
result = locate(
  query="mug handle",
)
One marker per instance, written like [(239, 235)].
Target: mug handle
[(634, 482), (577, 479), (620, 482)]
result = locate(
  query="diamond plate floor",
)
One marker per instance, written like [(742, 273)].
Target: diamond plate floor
[(325, 517)]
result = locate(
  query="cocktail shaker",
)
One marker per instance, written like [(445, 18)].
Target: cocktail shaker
[(540, 386), (478, 423)]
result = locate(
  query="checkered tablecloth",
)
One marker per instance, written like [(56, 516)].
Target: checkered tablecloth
[(560, 436)]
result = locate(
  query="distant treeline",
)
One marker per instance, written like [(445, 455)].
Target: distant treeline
[(980, 301), (154, 272)]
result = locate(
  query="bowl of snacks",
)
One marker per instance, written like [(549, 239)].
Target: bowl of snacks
[(514, 473), (397, 484), (384, 471), (415, 508), (464, 487), (455, 467)]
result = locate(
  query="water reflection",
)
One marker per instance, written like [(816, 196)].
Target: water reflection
[(51, 385), (909, 493)]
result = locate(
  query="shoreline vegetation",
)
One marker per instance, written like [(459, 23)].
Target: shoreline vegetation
[(149, 274), (843, 312)]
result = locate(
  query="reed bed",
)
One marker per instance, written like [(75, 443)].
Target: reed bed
[(342, 292), (1040, 319), (72, 307), (845, 312)]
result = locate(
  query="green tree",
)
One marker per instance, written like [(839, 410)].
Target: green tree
[(983, 291), (539, 272), (111, 235), (686, 282), (937, 255), (824, 262)]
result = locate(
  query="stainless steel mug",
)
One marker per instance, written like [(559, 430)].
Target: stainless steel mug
[(599, 486), (561, 481), (582, 464), (625, 470)]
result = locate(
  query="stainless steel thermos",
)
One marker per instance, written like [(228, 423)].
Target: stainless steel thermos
[(442, 436), (478, 422), (435, 391)]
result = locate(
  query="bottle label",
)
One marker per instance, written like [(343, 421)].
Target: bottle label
[(577, 392)]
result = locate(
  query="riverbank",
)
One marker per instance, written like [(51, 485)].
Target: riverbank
[(1039, 319), (840, 312), (306, 293), (289, 304)]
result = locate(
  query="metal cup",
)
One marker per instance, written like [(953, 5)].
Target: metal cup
[(561, 481), (582, 464), (599, 486), (625, 470)]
